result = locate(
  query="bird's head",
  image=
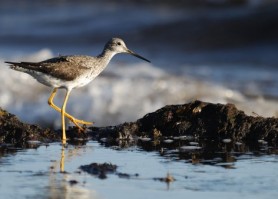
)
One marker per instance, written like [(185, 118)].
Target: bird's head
[(117, 45)]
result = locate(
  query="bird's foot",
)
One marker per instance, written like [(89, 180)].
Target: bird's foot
[(76, 121)]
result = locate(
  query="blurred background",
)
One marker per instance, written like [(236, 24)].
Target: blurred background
[(220, 51)]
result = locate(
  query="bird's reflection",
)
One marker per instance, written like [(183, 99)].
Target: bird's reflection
[(69, 151), (62, 160), (64, 184)]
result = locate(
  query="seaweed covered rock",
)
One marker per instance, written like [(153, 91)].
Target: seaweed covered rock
[(15, 132), (199, 119)]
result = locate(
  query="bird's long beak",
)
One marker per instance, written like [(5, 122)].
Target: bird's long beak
[(136, 55)]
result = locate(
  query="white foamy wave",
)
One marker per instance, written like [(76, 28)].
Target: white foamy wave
[(121, 93)]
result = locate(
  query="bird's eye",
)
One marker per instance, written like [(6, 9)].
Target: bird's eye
[(119, 43)]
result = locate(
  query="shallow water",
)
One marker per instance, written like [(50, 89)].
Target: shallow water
[(35, 173)]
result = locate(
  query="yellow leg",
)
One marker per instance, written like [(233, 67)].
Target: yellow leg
[(63, 110), (70, 117)]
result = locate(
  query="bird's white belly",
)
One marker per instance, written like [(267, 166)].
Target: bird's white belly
[(58, 83), (82, 81)]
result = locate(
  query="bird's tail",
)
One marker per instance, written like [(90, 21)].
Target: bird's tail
[(16, 66)]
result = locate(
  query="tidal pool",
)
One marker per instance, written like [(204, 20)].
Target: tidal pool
[(36, 173)]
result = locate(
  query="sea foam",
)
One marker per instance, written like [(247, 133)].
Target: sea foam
[(123, 92)]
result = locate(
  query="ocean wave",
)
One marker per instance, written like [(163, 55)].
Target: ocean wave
[(123, 92)]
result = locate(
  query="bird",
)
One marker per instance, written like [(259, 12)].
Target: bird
[(69, 72)]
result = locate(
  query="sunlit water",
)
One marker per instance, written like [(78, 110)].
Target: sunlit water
[(35, 173)]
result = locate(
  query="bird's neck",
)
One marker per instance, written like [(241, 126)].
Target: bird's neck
[(107, 55)]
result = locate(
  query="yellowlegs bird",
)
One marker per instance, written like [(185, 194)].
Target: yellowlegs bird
[(70, 72)]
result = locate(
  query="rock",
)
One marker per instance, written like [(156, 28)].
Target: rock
[(99, 170), (196, 119), (15, 132)]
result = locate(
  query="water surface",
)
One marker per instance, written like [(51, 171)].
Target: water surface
[(35, 173)]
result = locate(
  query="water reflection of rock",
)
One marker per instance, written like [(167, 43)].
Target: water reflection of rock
[(215, 153)]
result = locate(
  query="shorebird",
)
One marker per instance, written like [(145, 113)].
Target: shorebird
[(69, 72)]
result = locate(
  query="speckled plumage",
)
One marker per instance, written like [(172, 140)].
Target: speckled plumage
[(64, 71)]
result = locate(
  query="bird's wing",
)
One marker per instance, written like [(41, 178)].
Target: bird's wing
[(64, 67)]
